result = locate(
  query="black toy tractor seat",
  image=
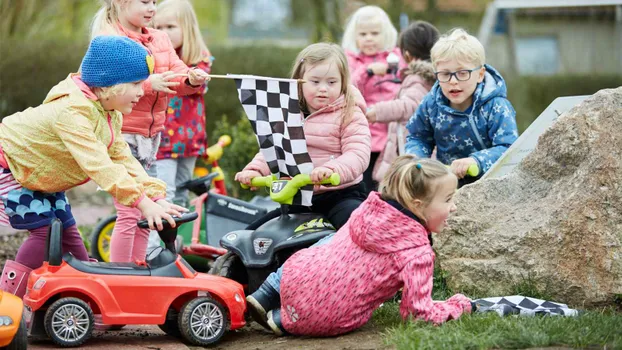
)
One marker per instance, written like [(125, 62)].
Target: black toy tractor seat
[(200, 185)]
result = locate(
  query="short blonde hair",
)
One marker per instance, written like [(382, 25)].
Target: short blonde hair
[(405, 181), (458, 45), (315, 54), (192, 47), (106, 19), (110, 91), (369, 13)]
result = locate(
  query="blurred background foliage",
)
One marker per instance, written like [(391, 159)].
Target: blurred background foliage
[(42, 41)]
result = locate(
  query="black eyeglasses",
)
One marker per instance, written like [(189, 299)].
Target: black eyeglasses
[(461, 75)]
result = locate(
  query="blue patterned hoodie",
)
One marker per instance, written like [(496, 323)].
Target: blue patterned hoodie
[(484, 131)]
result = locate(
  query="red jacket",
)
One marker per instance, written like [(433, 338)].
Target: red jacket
[(147, 117), (334, 288), (184, 128)]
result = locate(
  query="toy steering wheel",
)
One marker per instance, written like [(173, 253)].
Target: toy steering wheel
[(186, 217)]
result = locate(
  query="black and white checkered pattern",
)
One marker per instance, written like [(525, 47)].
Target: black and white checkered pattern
[(272, 107), (524, 306)]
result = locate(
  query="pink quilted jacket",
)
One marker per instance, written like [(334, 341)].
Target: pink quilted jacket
[(342, 148), (418, 79), (147, 117), (373, 93), (334, 288)]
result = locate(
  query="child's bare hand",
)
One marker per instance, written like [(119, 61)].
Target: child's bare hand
[(161, 82), (460, 166), (172, 209), (379, 68), (320, 173), (245, 177), (197, 77), (371, 115), (154, 214)]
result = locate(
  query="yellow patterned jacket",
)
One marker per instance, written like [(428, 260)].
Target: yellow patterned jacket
[(70, 139)]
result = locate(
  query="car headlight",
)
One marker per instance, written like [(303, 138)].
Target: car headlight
[(238, 298), (5, 321)]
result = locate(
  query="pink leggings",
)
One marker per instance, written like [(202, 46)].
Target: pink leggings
[(32, 252), (128, 242)]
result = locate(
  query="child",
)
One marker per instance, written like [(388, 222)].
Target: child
[(142, 127), (368, 39), (336, 131), (415, 43), (334, 288), (467, 115), (183, 139), (72, 137)]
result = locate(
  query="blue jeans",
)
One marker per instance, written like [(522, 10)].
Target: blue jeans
[(274, 279)]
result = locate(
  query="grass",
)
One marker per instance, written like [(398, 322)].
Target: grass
[(592, 329)]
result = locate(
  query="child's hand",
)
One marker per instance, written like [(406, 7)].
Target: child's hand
[(320, 173), (173, 209), (197, 77), (460, 166), (154, 214), (245, 176), (379, 68), (371, 115), (161, 83)]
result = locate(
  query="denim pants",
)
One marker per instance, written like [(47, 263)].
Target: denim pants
[(274, 279)]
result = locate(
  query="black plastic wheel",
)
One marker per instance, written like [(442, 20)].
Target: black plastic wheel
[(69, 322), (203, 321), (99, 243), (170, 325), (230, 266), (20, 340)]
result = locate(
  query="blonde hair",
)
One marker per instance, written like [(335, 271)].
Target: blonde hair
[(405, 181), (107, 18), (192, 46), (110, 91), (369, 13), (315, 54), (458, 45)]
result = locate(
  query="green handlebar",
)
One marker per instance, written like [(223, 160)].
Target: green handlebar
[(473, 170), (285, 193)]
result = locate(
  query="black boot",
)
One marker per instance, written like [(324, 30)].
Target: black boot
[(261, 301), (274, 321)]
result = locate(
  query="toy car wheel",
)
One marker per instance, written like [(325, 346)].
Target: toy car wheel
[(69, 322), (20, 339), (170, 325), (230, 266), (100, 239), (203, 321)]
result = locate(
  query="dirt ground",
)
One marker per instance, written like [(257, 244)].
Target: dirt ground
[(249, 338)]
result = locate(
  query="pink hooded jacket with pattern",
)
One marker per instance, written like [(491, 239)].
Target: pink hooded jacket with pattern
[(334, 288), (373, 93), (331, 143)]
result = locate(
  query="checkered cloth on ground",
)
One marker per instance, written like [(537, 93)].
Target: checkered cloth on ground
[(272, 107), (524, 306)]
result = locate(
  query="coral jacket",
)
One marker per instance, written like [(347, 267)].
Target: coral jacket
[(147, 117), (334, 288), (342, 147), (70, 139)]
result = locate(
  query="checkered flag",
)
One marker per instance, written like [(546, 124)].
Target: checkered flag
[(524, 306), (272, 107)]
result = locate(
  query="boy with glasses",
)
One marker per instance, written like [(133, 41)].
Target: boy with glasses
[(466, 115)]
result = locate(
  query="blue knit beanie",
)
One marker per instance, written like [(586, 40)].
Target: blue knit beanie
[(112, 60)]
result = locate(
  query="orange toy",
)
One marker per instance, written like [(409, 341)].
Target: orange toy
[(13, 332), (65, 294)]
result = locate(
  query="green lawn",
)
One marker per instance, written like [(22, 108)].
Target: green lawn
[(592, 329)]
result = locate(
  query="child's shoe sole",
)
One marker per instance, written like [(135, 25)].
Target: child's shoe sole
[(257, 312), (273, 327)]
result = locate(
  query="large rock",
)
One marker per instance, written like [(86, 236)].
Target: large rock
[(555, 221)]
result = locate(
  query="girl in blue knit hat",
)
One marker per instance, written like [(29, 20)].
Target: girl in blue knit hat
[(74, 137), (142, 127)]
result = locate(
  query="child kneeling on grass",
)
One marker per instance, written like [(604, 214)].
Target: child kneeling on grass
[(333, 288), (74, 137)]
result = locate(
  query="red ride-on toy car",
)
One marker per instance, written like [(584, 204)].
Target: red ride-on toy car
[(65, 294)]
